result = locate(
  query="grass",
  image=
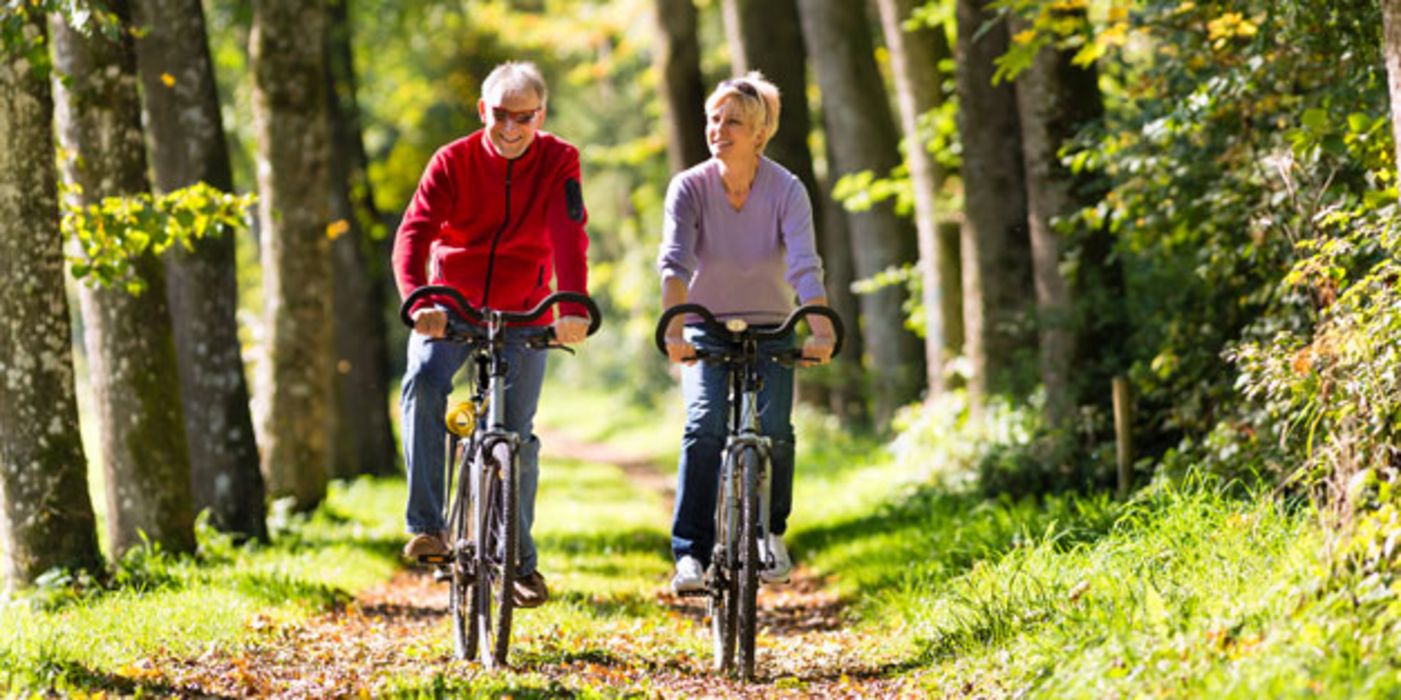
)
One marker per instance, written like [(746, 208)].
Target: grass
[(1189, 590), (70, 634)]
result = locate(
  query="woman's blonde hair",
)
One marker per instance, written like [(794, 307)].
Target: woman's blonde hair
[(757, 99)]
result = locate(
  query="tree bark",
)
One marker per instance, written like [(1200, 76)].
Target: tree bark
[(46, 516), (914, 61), (997, 286), (1054, 99), (861, 135), (363, 438), (186, 135), (130, 343), (1391, 48), (289, 110), (678, 64)]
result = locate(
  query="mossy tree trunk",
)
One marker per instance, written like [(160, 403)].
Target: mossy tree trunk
[(46, 516), (129, 340), (186, 135), (289, 108), (363, 441)]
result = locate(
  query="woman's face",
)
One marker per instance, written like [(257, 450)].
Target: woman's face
[(728, 133)]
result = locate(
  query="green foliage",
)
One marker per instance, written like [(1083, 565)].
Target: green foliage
[(113, 233), (86, 16)]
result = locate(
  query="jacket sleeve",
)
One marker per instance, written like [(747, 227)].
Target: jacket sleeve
[(432, 204), (569, 240)]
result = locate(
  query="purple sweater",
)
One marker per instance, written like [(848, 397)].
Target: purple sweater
[(747, 263)]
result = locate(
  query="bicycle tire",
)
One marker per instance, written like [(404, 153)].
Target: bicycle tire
[(496, 556), (750, 465), (510, 521), (724, 593), (483, 547), (460, 594)]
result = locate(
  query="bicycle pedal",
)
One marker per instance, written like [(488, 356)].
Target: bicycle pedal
[(433, 560), (700, 593)]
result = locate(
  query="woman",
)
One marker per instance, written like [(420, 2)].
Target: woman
[(738, 239)]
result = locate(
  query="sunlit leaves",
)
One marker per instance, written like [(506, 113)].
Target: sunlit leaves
[(111, 234)]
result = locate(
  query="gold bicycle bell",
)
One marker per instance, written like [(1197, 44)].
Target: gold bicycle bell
[(462, 418)]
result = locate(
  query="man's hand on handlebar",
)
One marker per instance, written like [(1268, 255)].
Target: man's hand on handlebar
[(430, 322), (571, 330)]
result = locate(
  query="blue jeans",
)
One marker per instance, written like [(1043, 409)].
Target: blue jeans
[(423, 403), (706, 393)]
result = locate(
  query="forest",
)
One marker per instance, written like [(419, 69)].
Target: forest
[(1115, 414)]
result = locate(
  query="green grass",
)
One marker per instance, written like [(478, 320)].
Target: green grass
[(77, 635)]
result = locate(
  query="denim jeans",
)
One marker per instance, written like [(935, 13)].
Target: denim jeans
[(706, 393), (423, 403)]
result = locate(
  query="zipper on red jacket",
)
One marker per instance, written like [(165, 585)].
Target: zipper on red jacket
[(491, 256)]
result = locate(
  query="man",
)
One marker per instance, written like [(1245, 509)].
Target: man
[(496, 215)]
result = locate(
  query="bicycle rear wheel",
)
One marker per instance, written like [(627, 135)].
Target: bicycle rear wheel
[(747, 585)]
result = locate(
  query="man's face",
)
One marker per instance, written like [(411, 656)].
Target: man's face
[(511, 121)]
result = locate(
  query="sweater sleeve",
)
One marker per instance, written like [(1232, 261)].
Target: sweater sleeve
[(568, 237), (805, 273), (431, 205), (680, 229)]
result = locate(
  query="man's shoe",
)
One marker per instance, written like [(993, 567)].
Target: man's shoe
[(426, 546), (782, 563), (530, 591), (690, 576)]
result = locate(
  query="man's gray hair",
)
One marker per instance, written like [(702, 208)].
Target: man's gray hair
[(513, 78)]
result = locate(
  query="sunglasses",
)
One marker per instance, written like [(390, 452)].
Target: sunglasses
[(743, 86), (522, 117)]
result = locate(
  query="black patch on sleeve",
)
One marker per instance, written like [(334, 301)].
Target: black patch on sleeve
[(574, 199)]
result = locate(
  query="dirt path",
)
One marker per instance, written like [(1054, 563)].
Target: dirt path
[(393, 635)]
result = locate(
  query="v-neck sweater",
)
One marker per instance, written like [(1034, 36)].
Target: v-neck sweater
[(741, 263)]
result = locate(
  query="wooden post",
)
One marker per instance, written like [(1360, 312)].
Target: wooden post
[(1123, 434)]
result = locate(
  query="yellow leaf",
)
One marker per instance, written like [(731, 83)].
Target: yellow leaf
[(337, 228), (168, 79), (1024, 37)]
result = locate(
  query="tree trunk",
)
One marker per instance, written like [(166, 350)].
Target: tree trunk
[(861, 134), (1054, 99), (363, 439), (130, 343), (46, 516), (765, 35), (997, 287), (1391, 48), (914, 60), (678, 63), (186, 135), (294, 376)]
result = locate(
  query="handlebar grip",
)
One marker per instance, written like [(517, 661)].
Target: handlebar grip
[(464, 308), (711, 323)]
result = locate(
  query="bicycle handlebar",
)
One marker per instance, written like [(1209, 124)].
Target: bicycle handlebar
[(716, 327), (476, 315)]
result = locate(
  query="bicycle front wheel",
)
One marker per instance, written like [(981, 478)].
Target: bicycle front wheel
[(461, 561), (750, 465), (724, 591), (497, 553)]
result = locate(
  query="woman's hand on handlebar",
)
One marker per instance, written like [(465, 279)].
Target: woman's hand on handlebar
[(571, 330), (817, 350), (430, 322), (678, 350)]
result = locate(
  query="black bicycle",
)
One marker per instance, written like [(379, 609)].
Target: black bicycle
[(483, 515), (742, 505)]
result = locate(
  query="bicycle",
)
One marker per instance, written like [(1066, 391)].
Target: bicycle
[(483, 513), (742, 505)]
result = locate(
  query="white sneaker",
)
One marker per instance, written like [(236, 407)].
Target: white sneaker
[(782, 564), (689, 578)]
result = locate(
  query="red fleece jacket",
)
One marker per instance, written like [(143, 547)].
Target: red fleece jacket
[(459, 231)]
